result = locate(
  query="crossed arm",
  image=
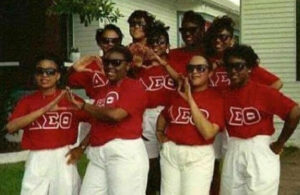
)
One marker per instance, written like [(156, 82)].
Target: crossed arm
[(100, 113), (25, 120)]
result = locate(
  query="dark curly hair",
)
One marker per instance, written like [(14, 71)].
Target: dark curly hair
[(191, 16), (39, 57), (120, 49), (158, 29), (100, 31), (149, 19), (219, 24), (244, 52), (48, 56)]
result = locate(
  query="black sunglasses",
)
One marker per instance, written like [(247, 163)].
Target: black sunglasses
[(47, 71), (223, 37), (113, 62), (137, 23), (114, 41), (157, 41), (199, 67), (190, 30), (237, 66)]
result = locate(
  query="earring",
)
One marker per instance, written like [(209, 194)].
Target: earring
[(168, 50)]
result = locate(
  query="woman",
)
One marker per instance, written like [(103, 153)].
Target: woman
[(158, 85), (50, 124), (88, 71), (187, 128), (218, 38), (192, 31), (251, 164), (118, 159), (140, 24)]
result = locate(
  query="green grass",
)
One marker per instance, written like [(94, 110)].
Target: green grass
[(289, 151), (11, 176)]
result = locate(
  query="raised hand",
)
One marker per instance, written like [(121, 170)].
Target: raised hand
[(52, 106), (137, 60), (81, 64), (25, 120), (184, 88), (71, 98), (160, 60)]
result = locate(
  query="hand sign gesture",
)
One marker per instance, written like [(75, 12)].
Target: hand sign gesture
[(82, 63), (72, 99), (25, 120), (52, 106), (184, 88), (159, 59)]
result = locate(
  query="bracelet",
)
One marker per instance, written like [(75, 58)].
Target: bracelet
[(82, 107), (160, 130)]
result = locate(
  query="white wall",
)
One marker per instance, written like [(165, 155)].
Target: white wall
[(269, 26), (165, 10), (211, 7), (84, 37)]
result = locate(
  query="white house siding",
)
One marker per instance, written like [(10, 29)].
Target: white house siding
[(84, 37), (165, 10), (269, 26), (211, 7)]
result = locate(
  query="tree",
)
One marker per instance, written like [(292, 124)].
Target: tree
[(88, 10)]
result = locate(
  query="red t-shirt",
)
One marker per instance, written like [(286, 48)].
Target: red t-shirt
[(92, 82), (249, 110), (179, 58), (129, 95), (181, 128), (158, 85), (53, 129)]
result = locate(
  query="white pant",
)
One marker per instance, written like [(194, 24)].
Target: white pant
[(120, 167), (250, 167), (186, 170), (47, 173), (221, 144), (149, 127)]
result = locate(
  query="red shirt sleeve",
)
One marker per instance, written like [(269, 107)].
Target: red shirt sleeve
[(277, 103), (262, 76), (21, 109), (80, 79)]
